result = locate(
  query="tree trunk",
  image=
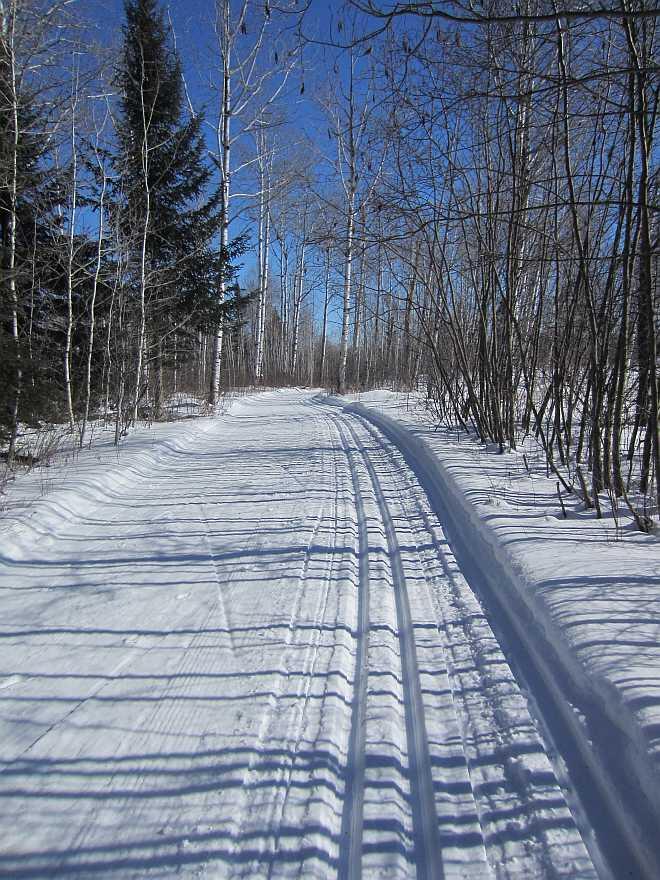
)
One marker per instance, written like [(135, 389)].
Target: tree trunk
[(224, 151)]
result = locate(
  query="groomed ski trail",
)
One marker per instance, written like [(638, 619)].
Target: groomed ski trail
[(259, 658)]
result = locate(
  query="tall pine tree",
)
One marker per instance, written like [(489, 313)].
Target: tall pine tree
[(169, 215), (28, 197)]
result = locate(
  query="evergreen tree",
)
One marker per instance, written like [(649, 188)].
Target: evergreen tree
[(28, 196), (165, 183)]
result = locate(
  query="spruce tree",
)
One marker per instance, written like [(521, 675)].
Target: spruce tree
[(28, 195), (165, 183)]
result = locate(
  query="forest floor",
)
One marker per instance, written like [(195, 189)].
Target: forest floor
[(314, 638)]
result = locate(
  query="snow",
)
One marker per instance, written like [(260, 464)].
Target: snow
[(249, 645), (583, 594)]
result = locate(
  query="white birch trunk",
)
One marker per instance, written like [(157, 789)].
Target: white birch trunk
[(297, 303), (92, 310), (324, 331), (346, 315), (69, 275), (224, 151), (142, 334), (8, 37), (264, 245)]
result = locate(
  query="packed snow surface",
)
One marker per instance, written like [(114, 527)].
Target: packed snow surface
[(245, 648)]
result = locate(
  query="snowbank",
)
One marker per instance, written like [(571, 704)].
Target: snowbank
[(78, 481), (581, 595)]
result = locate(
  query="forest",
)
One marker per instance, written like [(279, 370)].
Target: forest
[(455, 198)]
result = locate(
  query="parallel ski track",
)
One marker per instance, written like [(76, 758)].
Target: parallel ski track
[(535, 802), (350, 852), (345, 826), (594, 848), (458, 808), (428, 856)]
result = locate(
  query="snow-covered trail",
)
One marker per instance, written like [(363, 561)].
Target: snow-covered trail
[(258, 658)]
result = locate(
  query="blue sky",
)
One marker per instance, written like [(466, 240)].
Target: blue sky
[(192, 22)]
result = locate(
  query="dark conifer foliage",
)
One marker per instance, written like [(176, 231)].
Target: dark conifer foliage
[(110, 259), (165, 182), (160, 149), (28, 200)]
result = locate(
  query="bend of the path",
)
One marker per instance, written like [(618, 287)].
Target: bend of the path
[(260, 659)]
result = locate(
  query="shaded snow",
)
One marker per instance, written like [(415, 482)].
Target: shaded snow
[(591, 591), (244, 647)]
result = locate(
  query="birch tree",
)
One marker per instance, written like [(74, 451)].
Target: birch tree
[(31, 63), (360, 154), (255, 64), (166, 189)]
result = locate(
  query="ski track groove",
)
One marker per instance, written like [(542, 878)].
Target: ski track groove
[(296, 731), (540, 862), (396, 557), (252, 771), (429, 562), (387, 834), (323, 813), (459, 813), (320, 815), (428, 857), (350, 856)]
